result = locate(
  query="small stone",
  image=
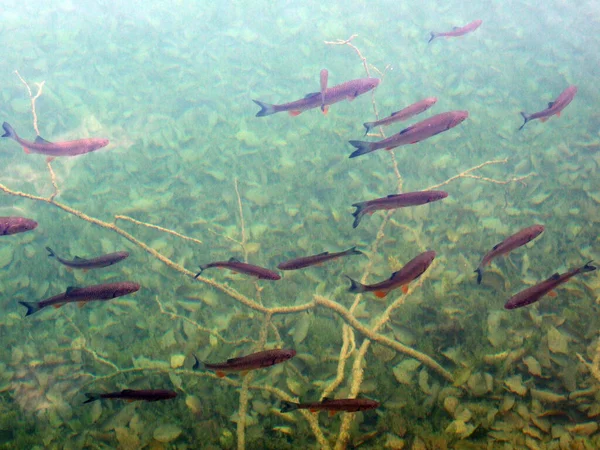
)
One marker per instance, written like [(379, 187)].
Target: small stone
[(177, 361)]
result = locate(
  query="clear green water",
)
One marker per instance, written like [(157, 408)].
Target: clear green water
[(171, 84)]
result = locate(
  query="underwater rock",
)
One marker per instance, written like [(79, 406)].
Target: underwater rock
[(167, 433), (405, 371), (533, 366), (515, 384), (557, 342), (480, 384), (450, 405), (584, 429), (177, 361), (126, 439)]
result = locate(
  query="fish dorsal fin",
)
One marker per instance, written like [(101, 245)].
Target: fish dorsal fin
[(326, 399), (312, 94), (393, 195), (406, 130), (41, 140), (78, 258), (70, 289), (496, 246), (127, 391), (550, 104), (555, 276), (232, 360), (323, 254), (232, 259), (455, 28), (394, 113)]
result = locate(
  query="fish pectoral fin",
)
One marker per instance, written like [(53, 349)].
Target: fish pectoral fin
[(130, 400), (41, 140), (380, 294), (313, 410), (331, 413), (543, 119), (58, 305), (405, 289), (220, 374), (325, 109), (26, 150), (49, 159), (294, 113), (552, 294), (558, 114), (81, 304), (243, 373)]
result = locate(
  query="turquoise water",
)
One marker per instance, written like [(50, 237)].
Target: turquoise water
[(170, 84)]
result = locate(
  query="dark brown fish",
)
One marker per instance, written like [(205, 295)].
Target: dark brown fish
[(83, 295), (535, 293), (404, 114), (131, 395), (415, 133), (348, 90), (553, 108), (237, 266), (257, 360), (517, 240), (14, 225), (332, 405), (66, 148), (306, 261), (457, 31), (395, 201), (92, 263), (410, 272)]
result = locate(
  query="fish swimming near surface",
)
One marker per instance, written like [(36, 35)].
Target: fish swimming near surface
[(14, 225), (457, 31), (92, 263), (131, 395), (554, 108), (307, 261), (235, 265), (410, 272), (332, 405), (395, 201), (266, 358), (83, 295), (403, 114), (519, 239), (535, 293), (66, 148), (416, 133), (328, 96)]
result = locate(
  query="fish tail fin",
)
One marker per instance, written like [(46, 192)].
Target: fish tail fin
[(91, 397), (51, 253), (265, 109), (588, 267), (353, 251), (358, 213), (31, 307), (368, 126), (362, 148), (432, 36), (479, 273), (200, 272), (10, 133), (525, 118), (198, 365), (288, 406), (355, 286)]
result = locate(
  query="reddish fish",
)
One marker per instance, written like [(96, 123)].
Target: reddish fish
[(457, 31), (348, 90), (14, 225), (257, 360), (67, 148), (535, 293), (554, 108), (416, 133), (519, 239), (332, 405), (83, 295), (404, 114), (237, 266), (395, 201), (92, 263), (410, 272), (131, 395), (307, 261)]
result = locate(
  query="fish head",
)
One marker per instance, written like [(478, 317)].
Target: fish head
[(436, 195), (458, 117), (99, 143), (428, 257), (126, 288), (21, 225), (286, 354), (368, 84), (431, 101), (536, 230)]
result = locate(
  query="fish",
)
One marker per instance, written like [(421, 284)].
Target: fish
[(306, 261), (517, 240), (554, 108), (457, 31), (82, 295), (324, 76), (131, 395), (92, 263), (535, 293), (395, 201), (348, 90), (332, 405), (235, 265), (14, 225), (65, 148), (403, 114), (410, 272), (416, 133), (253, 361)]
